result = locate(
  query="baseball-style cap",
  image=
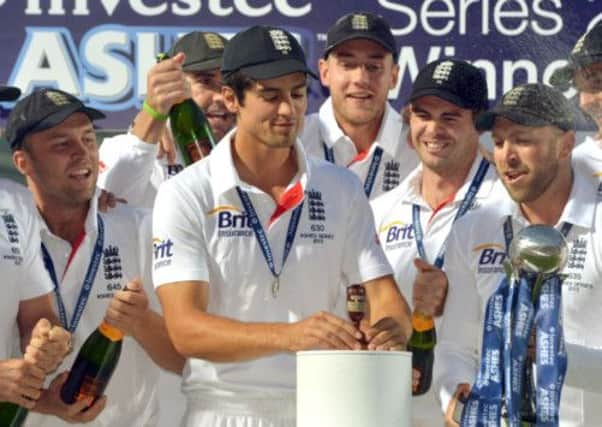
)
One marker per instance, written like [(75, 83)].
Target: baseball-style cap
[(361, 25), (204, 50), (455, 81), (263, 52), (41, 110), (9, 93), (533, 105), (587, 51)]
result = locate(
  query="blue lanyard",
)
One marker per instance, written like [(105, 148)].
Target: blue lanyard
[(473, 189), (84, 293), (262, 239), (509, 317), (372, 170)]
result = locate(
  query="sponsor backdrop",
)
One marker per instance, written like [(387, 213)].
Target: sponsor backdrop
[(100, 50)]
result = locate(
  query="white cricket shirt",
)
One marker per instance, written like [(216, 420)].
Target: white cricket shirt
[(394, 224), (21, 267), (202, 233), (587, 159), (126, 255), (130, 169), (321, 131), (475, 253)]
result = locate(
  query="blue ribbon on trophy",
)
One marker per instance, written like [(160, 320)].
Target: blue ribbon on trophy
[(526, 303)]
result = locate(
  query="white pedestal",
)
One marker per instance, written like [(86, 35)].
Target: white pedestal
[(354, 389)]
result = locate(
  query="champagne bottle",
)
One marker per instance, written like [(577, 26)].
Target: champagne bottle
[(12, 415), (356, 306), (190, 129), (94, 365), (422, 345)]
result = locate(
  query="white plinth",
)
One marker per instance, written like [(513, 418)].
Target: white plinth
[(354, 389)]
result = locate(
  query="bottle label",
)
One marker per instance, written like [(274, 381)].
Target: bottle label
[(90, 389), (422, 323)]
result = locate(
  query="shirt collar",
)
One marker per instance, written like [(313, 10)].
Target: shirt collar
[(388, 135), (225, 176), (579, 210), (410, 188), (90, 224)]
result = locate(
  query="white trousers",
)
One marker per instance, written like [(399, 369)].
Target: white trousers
[(203, 411)]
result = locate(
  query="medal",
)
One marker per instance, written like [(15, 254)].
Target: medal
[(275, 287)]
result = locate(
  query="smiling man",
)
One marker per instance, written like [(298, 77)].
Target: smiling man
[(135, 164), (414, 219), (90, 257), (260, 236), (356, 127)]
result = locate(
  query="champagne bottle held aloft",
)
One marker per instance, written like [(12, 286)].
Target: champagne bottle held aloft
[(94, 365), (12, 415), (422, 345), (190, 129)]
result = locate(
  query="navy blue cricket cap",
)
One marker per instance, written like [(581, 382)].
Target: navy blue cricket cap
[(40, 110), (263, 52), (533, 105), (9, 93), (361, 25), (453, 80), (204, 50), (587, 51)]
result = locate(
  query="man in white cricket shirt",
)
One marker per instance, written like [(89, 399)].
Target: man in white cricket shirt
[(452, 178), (27, 312), (532, 129), (356, 127), (90, 257), (253, 242)]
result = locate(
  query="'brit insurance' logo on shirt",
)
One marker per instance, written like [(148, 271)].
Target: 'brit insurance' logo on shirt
[(231, 221), (491, 258), (397, 234), (162, 252)]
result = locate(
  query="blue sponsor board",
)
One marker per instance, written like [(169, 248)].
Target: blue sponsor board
[(100, 50)]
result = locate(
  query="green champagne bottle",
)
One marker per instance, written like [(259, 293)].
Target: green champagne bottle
[(190, 128), (191, 131), (12, 415), (94, 365), (422, 345)]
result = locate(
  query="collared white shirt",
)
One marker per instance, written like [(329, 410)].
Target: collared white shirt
[(202, 233), (587, 159), (321, 131), (130, 169), (474, 267), (394, 224), (21, 267), (126, 255)]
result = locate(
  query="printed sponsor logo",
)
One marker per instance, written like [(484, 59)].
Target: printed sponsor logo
[(231, 221), (163, 252), (491, 258), (397, 234)]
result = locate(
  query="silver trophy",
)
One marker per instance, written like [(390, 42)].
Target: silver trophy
[(540, 250)]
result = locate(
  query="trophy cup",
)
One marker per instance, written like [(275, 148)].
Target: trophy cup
[(541, 250)]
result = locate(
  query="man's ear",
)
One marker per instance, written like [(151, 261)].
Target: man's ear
[(567, 143), (323, 68), (230, 99), (22, 162)]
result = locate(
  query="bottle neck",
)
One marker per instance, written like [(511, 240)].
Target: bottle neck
[(421, 323), (110, 332)]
